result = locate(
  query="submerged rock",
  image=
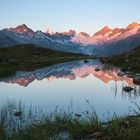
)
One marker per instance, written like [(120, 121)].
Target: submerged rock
[(128, 89)]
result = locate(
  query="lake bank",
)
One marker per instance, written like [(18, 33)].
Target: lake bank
[(65, 126), (29, 57), (128, 62)]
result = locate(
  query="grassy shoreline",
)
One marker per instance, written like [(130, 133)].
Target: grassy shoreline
[(61, 125), (128, 62), (29, 57)]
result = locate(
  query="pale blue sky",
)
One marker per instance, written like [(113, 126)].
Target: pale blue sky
[(62, 15)]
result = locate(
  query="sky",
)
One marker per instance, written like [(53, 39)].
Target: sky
[(61, 15)]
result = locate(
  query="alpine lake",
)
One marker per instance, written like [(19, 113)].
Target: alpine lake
[(72, 86)]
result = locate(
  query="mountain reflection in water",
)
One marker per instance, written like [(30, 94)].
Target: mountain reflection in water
[(76, 81), (71, 71)]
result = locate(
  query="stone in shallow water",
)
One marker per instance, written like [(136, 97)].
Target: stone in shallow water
[(127, 89), (97, 69)]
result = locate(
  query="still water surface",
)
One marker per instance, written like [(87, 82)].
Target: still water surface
[(68, 85)]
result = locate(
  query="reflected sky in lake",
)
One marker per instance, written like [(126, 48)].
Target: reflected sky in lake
[(68, 85)]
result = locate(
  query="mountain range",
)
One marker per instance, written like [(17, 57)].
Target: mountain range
[(106, 42)]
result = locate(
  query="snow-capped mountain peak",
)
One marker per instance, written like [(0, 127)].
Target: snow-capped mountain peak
[(130, 30), (107, 35), (82, 38), (49, 31), (103, 31), (115, 31), (21, 29), (70, 33), (132, 25), (84, 34)]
